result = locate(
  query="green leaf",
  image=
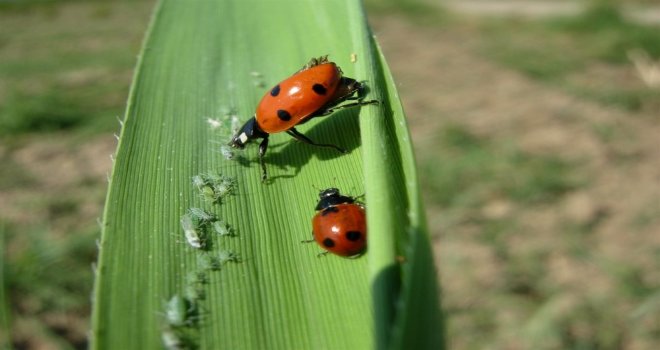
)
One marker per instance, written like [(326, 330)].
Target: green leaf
[(202, 60), (5, 313)]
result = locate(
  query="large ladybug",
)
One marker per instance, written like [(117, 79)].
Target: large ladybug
[(340, 225), (314, 91)]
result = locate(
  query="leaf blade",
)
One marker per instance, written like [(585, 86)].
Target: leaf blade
[(197, 63)]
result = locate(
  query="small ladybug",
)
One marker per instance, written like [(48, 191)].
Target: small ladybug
[(339, 225), (314, 91)]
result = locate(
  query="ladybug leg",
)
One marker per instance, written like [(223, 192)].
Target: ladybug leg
[(348, 105), (323, 253), (302, 138), (263, 146), (353, 98), (308, 240)]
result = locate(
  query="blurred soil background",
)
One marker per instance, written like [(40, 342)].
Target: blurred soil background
[(536, 133)]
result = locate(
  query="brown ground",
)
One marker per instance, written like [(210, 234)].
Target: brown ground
[(641, 11), (455, 85), (442, 81)]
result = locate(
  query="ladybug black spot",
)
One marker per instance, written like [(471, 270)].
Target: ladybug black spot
[(283, 115), (328, 243), (319, 89), (275, 91), (329, 210), (353, 235)]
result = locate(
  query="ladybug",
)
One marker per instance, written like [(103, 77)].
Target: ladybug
[(314, 91), (339, 225)]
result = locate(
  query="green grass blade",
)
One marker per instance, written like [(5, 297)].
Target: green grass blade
[(5, 314), (418, 323), (200, 60)]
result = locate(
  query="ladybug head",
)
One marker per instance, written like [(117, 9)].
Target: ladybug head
[(249, 131), (349, 87), (330, 192), (331, 197), (353, 85)]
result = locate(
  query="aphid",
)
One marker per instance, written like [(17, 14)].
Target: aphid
[(353, 57), (222, 228), (208, 194), (213, 123), (340, 225), (199, 182), (224, 187), (171, 340), (193, 289), (177, 339), (225, 256), (227, 152), (204, 187), (175, 311), (197, 277), (258, 79), (207, 262), (180, 312), (314, 91), (191, 232), (213, 187), (201, 215), (194, 292)]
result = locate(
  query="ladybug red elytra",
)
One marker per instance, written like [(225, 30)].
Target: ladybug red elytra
[(314, 91), (340, 224)]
